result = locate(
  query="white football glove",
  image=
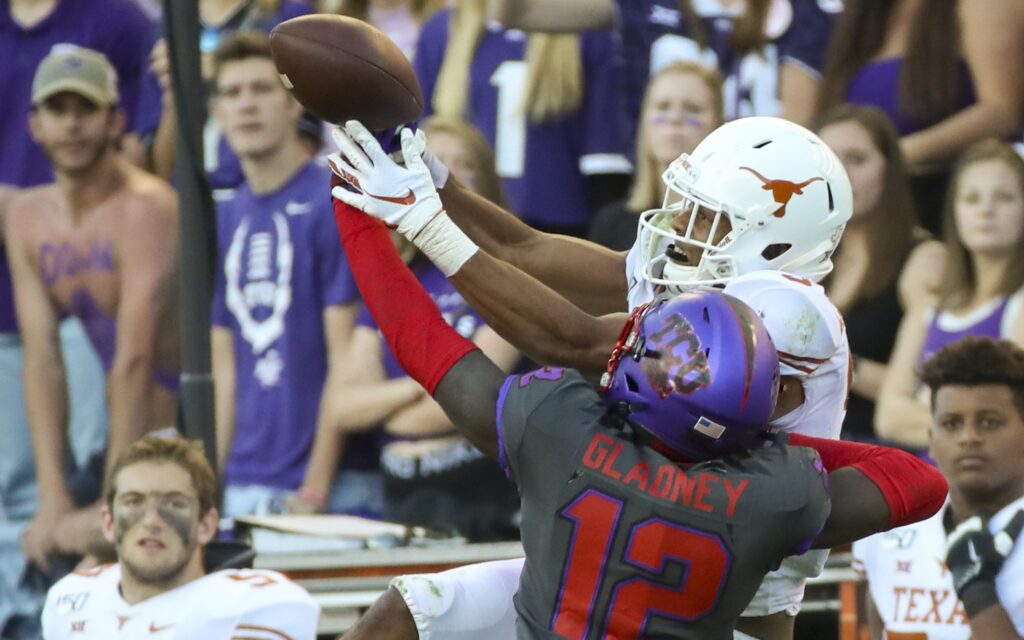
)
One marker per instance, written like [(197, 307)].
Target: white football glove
[(404, 197)]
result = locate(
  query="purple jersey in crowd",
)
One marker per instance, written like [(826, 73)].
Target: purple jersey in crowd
[(281, 265), (222, 167), (456, 311), (654, 34), (117, 28), (992, 320), (542, 165)]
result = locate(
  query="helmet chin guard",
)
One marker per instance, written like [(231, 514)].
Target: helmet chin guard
[(784, 195)]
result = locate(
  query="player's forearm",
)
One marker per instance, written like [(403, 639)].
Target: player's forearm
[(902, 420), (46, 402), (449, 367), (590, 276), (912, 489), (535, 319)]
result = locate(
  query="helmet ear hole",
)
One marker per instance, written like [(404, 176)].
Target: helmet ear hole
[(707, 315), (632, 384), (773, 251), (831, 200)]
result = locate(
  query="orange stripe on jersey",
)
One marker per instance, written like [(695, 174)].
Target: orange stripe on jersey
[(790, 356), (264, 630), (799, 367)]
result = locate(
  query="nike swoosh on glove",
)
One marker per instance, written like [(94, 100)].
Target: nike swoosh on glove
[(974, 558), (404, 197)]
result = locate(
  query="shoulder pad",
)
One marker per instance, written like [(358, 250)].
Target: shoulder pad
[(805, 326)]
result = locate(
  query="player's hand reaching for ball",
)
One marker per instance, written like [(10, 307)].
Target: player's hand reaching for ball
[(404, 197)]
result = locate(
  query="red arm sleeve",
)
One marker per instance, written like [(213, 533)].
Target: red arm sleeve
[(913, 489), (424, 344)]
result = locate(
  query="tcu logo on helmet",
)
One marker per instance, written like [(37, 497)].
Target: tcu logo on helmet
[(672, 371), (782, 190)]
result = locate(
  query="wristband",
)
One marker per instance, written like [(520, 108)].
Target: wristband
[(445, 244)]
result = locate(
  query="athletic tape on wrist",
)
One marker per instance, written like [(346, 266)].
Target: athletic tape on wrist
[(445, 244)]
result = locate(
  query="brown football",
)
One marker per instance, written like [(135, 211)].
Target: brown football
[(345, 69)]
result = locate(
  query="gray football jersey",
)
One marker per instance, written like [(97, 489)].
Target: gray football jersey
[(623, 543)]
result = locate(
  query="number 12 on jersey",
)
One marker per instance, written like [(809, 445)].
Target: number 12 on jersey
[(652, 544)]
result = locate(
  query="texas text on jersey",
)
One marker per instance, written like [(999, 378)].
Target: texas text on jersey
[(912, 589)]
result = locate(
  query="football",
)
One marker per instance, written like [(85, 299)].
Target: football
[(345, 69)]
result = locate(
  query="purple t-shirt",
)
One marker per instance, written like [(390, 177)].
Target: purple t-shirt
[(456, 311), (115, 27), (280, 265), (542, 165), (987, 321), (222, 168), (654, 34), (877, 84)]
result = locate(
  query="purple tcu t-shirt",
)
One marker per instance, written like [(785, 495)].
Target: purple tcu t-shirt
[(222, 167), (280, 265), (115, 27), (654, 33), (542, 165)]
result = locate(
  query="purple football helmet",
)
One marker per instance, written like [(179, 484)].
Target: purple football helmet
[(698, 372)]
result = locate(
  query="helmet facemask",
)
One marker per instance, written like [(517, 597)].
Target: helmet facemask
[(778, 191)]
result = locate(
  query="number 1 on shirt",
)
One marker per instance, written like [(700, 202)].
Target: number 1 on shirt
[(510, 128)]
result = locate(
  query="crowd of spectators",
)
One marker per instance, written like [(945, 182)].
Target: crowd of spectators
[(566, 112)]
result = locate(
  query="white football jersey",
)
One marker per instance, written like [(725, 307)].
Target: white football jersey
[(807, 330), (912, 588), (230, 604)]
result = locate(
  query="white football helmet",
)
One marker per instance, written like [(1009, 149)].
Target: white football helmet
[(784, 193)]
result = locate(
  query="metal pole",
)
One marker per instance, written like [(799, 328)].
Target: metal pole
[(198, 223)]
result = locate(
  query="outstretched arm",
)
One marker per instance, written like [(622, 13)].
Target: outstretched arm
[(541, 323), (520, 308), (873, 488), (462, 380), (590, 276)]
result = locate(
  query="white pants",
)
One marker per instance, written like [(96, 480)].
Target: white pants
[(475, 601)]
